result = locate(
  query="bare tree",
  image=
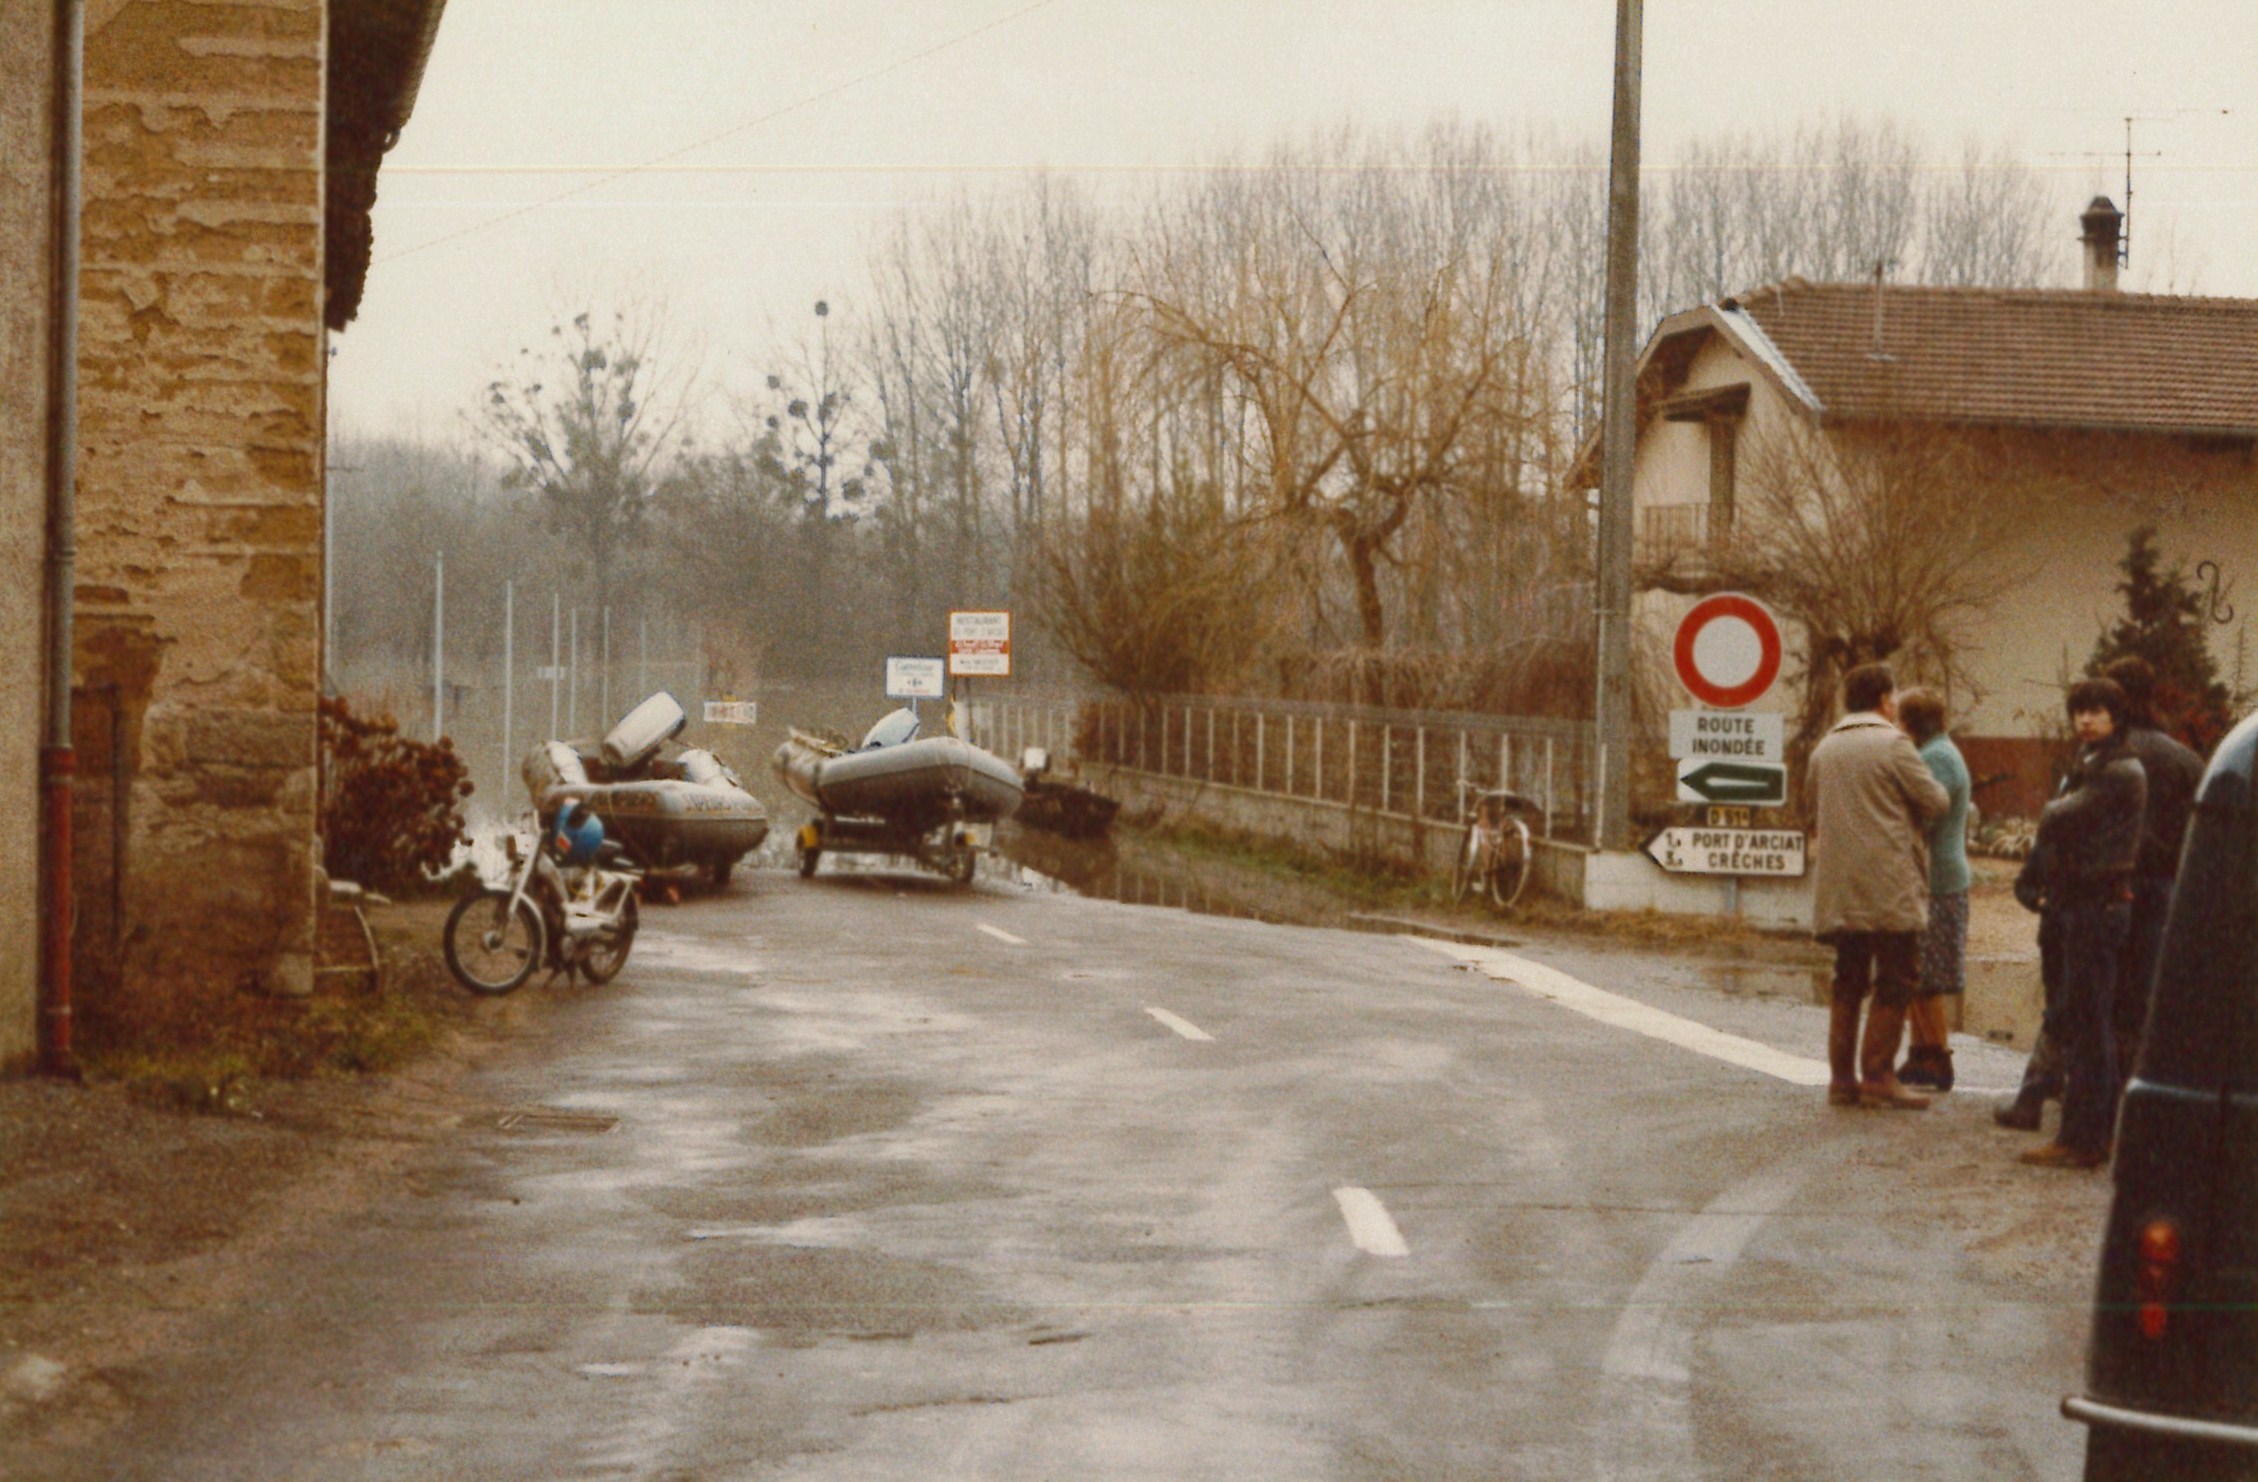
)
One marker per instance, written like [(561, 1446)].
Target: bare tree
[(585, 426), (1877, 541)]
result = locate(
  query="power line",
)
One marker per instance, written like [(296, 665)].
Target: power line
[(771, 116)]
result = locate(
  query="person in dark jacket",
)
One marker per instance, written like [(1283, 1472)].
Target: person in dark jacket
[(2042, 1074), (2093, 832), (2173, 772)]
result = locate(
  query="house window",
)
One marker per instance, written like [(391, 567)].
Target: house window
[(1720, 409)]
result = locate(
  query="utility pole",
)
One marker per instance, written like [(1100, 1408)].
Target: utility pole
[(572, 684), (438, 646), (1612, 704), (556, 657), (509, 672), (605, 710)]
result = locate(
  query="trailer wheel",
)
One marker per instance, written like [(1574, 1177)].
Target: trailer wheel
[(962, 862), (721, 867), (808, 858)]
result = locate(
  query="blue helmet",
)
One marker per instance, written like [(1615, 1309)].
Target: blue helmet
[(579, 833)]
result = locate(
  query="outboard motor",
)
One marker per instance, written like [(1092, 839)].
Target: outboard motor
[(892, 729), (642, 731)]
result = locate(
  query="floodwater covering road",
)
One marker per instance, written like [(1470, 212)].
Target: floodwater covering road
[(865, 1177)]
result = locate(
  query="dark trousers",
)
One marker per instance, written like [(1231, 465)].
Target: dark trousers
[(2093, 946), (2152, 898), (1886, 962)]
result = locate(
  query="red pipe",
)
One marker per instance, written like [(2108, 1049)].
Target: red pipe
[(56, 765)]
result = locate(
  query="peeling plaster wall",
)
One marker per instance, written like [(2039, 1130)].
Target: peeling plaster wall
[(26, 180), (201, 415)]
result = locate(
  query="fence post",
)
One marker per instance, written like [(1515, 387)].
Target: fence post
[(1144, 750), (1187, 740), (1419, 776), (1238, 773), (1317, 768), (1352, 765), (1548, 787), (1211, 741), (1261, 774), (1458, 787), (1505, 760), (509, 675), (1289, 756), (1387, 765)]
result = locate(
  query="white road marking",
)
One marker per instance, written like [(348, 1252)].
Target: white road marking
[(1629, 1013), (1183, 1027), (1646, 1381), (1369, 1225), (1001, 935)]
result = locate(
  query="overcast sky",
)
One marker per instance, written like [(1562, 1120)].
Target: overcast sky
[(788, 132)]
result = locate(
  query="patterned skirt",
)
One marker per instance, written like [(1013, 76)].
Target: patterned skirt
[(1944, 946)]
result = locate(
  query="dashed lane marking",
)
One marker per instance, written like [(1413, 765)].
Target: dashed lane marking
[(1001, 935), (1370, 1226), (1629, 1013), (1183, 1027)]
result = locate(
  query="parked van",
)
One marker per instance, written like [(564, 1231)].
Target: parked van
[(2172, 1369)]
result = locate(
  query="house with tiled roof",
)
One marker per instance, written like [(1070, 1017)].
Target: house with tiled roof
[(2097, 412)]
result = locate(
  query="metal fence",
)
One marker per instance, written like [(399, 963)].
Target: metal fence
[(1406, 763)]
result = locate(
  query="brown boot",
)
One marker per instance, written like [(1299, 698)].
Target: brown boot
[(1842, 1053), (1878, 1083)]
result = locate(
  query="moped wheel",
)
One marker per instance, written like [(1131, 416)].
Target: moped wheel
[(603, 961), (491, 948), (1462, 874), (1509, 864)]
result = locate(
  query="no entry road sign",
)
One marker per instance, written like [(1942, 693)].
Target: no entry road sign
[(1758, 784), (1727, 651)]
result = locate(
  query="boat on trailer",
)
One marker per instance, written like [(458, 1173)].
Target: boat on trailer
[(934, 799)]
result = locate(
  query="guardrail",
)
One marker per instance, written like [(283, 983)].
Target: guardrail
[(1401, 763)]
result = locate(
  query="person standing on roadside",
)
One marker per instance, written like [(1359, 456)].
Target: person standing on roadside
[(2092, 834), (1944, 943), (1873, 799), (2173, 772)]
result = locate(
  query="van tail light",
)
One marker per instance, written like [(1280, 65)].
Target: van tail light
[(2158, 1277)]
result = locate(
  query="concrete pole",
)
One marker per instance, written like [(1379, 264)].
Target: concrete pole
[(572, 676), (643, 656), (1612, 703), (605, 709), (509, 673), (556, 658), (438, 646)]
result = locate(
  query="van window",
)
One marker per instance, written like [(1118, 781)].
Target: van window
[(2203, 1013)]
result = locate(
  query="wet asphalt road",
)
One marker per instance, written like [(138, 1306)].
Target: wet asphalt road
[(864, 1178)]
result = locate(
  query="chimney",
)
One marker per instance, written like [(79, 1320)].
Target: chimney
[(2101, 222)]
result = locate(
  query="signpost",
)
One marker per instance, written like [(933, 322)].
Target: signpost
[(1728, 851), (915, 679), (1756, 784), (731, 712), (980, 645)]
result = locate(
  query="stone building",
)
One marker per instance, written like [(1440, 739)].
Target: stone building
[(2100, 411), (230, 163)]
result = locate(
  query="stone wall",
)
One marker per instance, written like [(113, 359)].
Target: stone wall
[(25, 201), (201, 424)]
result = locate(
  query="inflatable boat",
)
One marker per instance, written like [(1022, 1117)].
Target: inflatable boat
[(678, 811), (932, 798)]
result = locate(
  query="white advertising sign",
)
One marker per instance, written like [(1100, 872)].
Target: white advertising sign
[(916, 679), (980, 644), (1737, 735), (731, 712), (1728, 851)]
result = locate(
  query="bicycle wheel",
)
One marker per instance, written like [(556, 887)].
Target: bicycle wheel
[(1509, 864), (1462, 874), (489, 947), (604, 960)]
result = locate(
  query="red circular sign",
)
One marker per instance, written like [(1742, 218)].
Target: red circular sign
[(1724, 672)]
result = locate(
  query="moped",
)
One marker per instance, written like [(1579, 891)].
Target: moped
[(565, 903)]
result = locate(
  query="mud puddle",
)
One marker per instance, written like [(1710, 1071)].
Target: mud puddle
[(2002, 1002)]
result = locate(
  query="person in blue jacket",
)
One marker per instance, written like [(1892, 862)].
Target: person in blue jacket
[(1944, 944)]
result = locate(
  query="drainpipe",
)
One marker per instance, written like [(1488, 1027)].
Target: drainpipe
[(56, 760)]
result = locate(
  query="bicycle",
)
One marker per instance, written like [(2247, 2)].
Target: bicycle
[(1497, 851)]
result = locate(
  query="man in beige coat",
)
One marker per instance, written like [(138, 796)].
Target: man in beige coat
[(1874, 799)]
